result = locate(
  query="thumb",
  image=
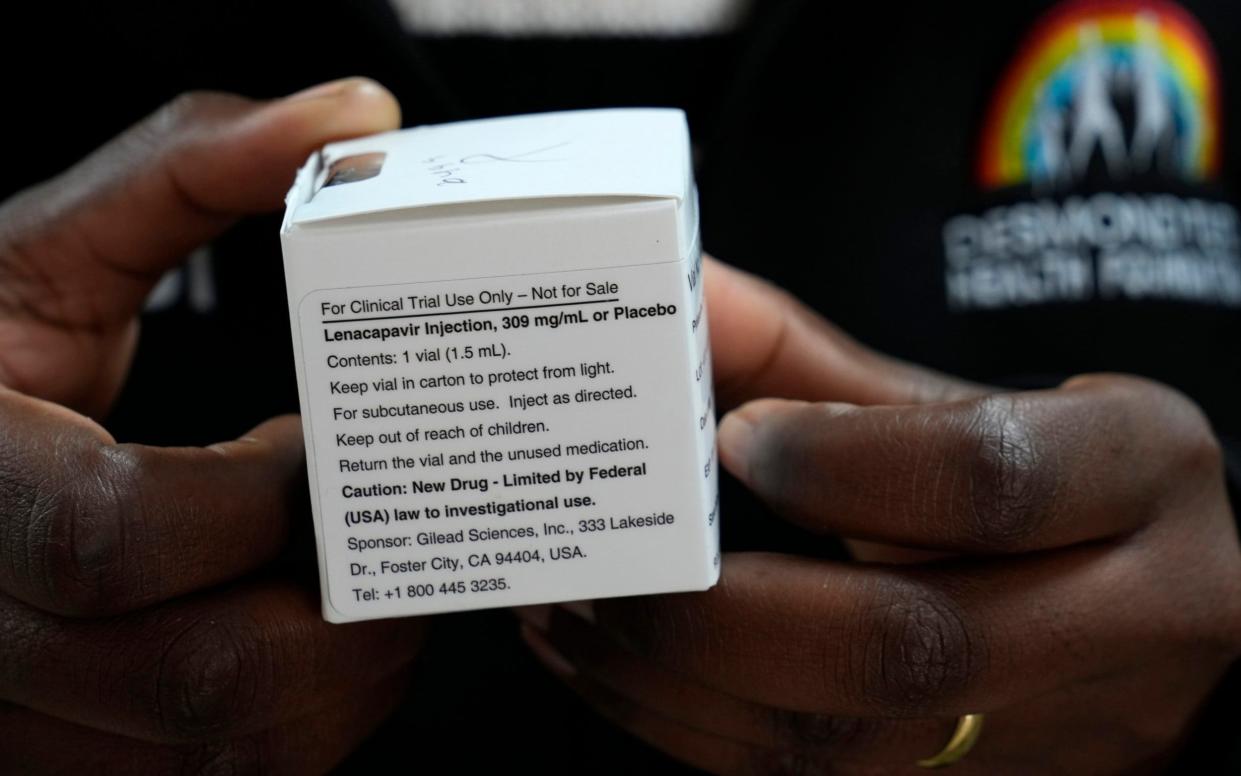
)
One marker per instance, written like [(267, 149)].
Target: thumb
[(92, 241), (80, 253), (766, 343)]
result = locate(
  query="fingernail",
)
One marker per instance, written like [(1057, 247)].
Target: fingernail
[(537, 616), (333, 88), (734, 437), (583, 609), (739, 430), (546, 653)]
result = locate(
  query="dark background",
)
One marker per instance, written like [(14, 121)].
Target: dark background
[(831, 149)]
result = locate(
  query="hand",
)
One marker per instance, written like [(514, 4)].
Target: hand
[(141, 626), (80, 253), (1065, 561)]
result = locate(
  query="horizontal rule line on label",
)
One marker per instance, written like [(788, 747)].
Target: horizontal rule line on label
[(468, 312)]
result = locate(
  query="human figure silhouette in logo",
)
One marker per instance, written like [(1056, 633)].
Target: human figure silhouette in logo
[(1053, 168), (1154, 134), (1095, 120)]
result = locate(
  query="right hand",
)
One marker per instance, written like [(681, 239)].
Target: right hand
[(139, 628)]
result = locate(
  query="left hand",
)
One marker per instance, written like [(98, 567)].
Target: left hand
[(1065, 561), (150, 618)]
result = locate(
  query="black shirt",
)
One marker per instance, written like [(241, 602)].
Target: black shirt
[(942, 181)]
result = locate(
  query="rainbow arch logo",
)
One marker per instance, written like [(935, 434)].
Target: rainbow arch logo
[(1129, 86)]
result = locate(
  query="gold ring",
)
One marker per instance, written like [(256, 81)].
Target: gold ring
[(963, 738)]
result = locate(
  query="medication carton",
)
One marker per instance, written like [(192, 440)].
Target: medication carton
[(503, 364)]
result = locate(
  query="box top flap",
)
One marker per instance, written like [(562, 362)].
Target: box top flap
[(626, 152)]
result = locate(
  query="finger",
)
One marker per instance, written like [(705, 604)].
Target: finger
[(764, 342), (700, 749), (580, 654), (886, 641), (710, 753), (34, 743), (83, 249), (210, 667), (91, 527), (171, 182), (1005, 473)]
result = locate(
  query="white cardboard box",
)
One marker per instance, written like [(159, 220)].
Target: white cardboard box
[(503, 365)]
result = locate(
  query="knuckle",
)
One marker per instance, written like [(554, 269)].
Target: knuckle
[(208, 681), (1186, 439), (807, 731), (1196, 450), (917, 651), (239, 757), (192, 108), (669, 629), (1008, 483), (173, 129), (30, 517), (765, 762), (84, 544)]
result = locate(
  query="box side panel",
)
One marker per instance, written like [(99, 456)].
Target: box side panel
[(293, 258), (702, 399)]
